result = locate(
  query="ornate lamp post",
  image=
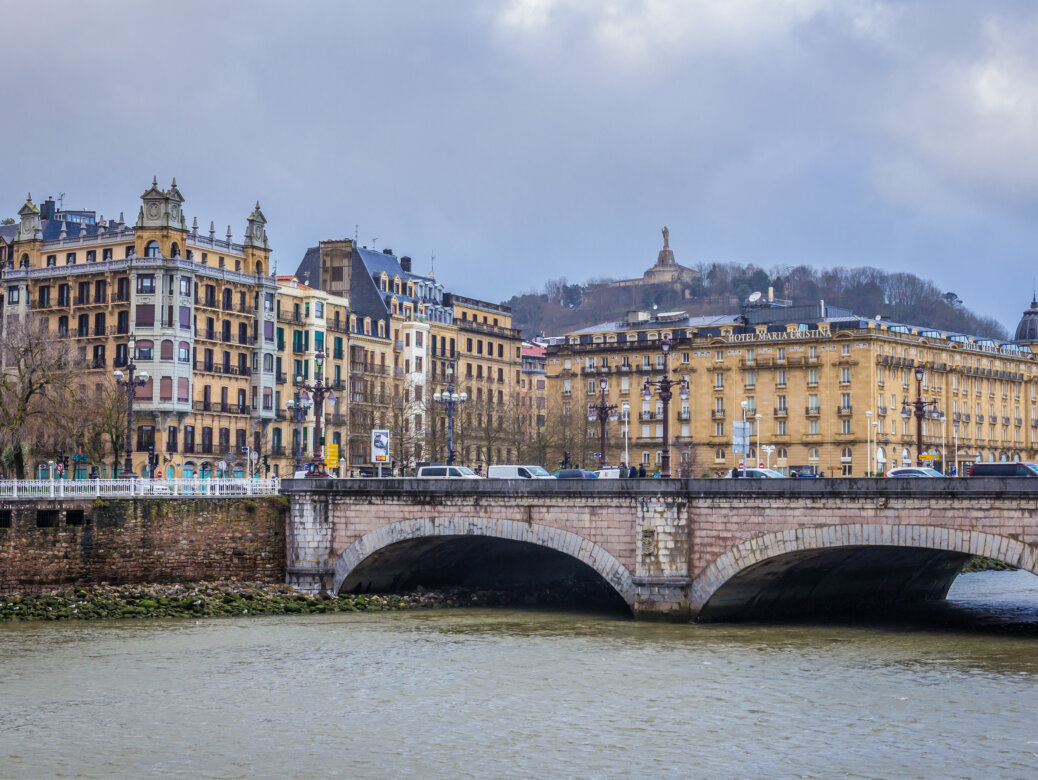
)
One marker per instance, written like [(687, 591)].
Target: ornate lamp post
[(299, 407), (129, 385), (918, 408), (602, 411), (319, 390), (450, 401), (664, 387)]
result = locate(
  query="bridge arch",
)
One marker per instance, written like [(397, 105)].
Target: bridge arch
[(928, 557), (603, 563)]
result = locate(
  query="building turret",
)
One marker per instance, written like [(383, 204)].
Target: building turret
[(1027, 330)]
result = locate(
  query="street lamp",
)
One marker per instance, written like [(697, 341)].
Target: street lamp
[(868, 442), (664, 387), (875, 445), (129, 385), (450, 401), (319, 390), (757, 419), (955, 435), (299, 407), (918, 408), (602, 411), (944, 445), (625, 415)]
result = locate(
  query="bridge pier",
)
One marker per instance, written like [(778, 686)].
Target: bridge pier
[(662, 599), (308, 538)]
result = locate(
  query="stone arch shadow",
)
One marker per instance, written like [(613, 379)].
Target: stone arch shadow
[(603, 563), (926, 558)]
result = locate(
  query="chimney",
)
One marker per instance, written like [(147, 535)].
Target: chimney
[(771, 295), (405, 263), (387, 251), (47, 208)]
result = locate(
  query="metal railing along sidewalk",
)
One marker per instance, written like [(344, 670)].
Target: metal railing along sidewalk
[(129, 488)]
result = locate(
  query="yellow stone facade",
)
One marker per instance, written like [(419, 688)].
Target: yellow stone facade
[(201, 309), (825, 391)]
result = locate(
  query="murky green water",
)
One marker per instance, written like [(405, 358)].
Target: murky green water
[(445, 694)]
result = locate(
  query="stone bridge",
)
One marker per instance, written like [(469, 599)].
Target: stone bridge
[(670, 549)]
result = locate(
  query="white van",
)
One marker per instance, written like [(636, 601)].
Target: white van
[(517, 472), (446, 472)]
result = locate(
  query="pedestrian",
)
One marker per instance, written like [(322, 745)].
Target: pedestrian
[(641, 471), (633, 473)]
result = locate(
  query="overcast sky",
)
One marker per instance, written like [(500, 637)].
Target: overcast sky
[(526, 140)]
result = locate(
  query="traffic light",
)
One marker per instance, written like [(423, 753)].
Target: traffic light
[(152, 461)]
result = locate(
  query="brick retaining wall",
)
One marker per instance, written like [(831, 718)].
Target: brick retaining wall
[(124, 541)]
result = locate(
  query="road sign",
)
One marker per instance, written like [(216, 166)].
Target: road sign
[(78, 458), (926, 457), (331, 456), (380, 446), (61, 468)]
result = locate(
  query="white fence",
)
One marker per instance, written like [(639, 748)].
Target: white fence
[(128, 488)]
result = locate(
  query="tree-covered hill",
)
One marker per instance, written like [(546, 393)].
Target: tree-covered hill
[(720, 288)]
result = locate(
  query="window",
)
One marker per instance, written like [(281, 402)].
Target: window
[(845, 426), (780, 377), (144, 350), (145, 315), (12, 294), (166, 388), (751, 378), (151, 249), (845, 376), (719, 380), (166, 350), (812, 353), (812, 376), (781, 428), (145, 284), (812, 427), (719, 453), (845, 349)]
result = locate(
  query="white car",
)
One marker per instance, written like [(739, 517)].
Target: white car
[(913, 471), (611, 472), (755, 474), (446, 472)]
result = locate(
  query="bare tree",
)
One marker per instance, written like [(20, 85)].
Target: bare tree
[(38, 370)]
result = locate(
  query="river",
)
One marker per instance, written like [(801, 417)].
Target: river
[(529, 694)]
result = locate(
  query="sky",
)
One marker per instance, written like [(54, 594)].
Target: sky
[(526, 140)]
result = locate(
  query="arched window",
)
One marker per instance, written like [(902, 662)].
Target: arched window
[(151, 249), (905, 459), (781, 453), (719, 454), (812, 454), (184, 352), (259, 268), (174, 249), (166, 350), (24, 262), (845, 454)]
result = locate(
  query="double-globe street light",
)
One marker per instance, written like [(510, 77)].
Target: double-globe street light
[(298, 407), (602, 411), (450, 401), (663, 388), (129, 385), (318, 392), (918, 409)]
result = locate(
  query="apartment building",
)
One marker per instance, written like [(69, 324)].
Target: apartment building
[(199, 311)]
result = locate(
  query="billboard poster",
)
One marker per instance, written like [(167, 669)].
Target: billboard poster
[(380, 446)]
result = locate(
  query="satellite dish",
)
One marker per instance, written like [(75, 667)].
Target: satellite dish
[(754, 297), (879, 317)]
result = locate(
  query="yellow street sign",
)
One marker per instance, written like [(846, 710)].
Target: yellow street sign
[(331, 456)]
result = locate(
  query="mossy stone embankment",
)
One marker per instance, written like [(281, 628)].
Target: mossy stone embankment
[(221, 599)]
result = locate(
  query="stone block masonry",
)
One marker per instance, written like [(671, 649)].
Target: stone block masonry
[(49, 546)]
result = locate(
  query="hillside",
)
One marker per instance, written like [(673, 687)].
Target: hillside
[(903, 297)]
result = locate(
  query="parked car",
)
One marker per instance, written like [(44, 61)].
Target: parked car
[(575, 474), (611, 472), (517, 472), (1012, 469), (754, 474), (913, 471), (446, 472)]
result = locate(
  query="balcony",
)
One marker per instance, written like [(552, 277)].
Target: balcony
[(717, 414), (278, 450), (812, 411), (208, 303), (843, 411), (645, 415), (783, 412), (980, 418), (1019, 420), (684, 415), (881, 410), (280, 377), (1005, 421)]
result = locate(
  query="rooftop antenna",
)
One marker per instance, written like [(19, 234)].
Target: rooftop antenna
[(373, 242), (61, 201), (432, 265), (356, 231)]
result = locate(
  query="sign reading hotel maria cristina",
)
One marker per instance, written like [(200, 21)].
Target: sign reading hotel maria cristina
[(380, 446), (788, 335)]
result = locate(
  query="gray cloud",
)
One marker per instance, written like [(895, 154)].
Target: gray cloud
[(538, 138)]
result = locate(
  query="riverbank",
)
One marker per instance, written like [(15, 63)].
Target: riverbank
[(230, 598)]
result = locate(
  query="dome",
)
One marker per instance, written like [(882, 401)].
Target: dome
[(1027, 330)]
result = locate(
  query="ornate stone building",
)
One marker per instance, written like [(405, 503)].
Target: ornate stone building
[(819, 384), (201, 310)]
